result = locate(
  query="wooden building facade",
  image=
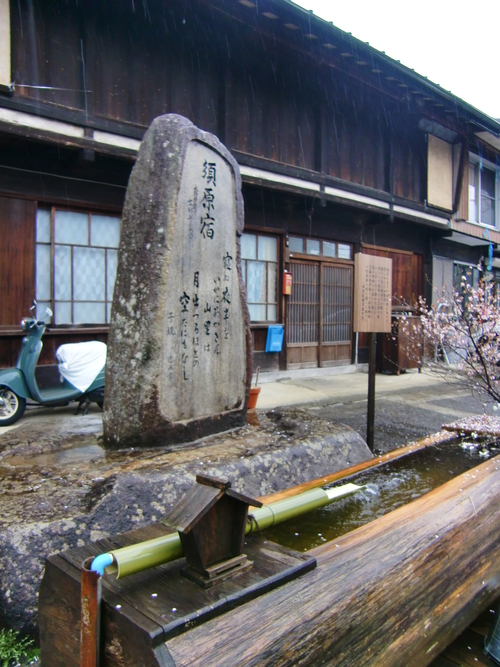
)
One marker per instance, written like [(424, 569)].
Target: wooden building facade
[(341, 150)]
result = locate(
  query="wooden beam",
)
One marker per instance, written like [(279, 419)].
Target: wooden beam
[(5, 64), (345, 473), (47, 137), (462, 164), (76, 116), (58, 190), (370, 421)]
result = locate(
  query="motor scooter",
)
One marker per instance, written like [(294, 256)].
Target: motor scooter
[(81, 368)]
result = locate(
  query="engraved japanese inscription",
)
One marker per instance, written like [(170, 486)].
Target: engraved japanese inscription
[(372, 293), (203, 320)]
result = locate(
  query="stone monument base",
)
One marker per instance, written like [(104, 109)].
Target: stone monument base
[(169, 435)]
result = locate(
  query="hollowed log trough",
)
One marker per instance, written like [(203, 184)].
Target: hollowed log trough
[(394, 592)]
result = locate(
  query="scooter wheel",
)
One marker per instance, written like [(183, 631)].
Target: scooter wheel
[(12, 406)]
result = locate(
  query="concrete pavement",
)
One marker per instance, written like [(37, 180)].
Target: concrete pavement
[(297, 389), (408, 407)]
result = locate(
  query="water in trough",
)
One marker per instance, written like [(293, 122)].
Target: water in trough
[(386, 487)]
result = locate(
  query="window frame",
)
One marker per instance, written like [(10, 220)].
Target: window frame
[(244, 271), (323, 257), (480, 164), (458, 270), (52, 243)]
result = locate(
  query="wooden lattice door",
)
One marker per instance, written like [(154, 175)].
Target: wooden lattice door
[(336, 314), (319, 315)]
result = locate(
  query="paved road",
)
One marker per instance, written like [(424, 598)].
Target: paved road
[(408, 407)]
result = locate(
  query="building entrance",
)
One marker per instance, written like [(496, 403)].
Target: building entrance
[(319, 314)]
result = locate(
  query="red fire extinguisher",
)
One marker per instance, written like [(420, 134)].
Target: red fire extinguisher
[(287, 282)]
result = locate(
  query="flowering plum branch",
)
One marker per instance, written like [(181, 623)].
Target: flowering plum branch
[(460, 334)]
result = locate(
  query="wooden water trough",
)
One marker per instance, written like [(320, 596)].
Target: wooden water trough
[(394, 592)]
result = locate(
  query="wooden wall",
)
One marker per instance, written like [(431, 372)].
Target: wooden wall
[(121, 64), (10, 343), (407, 283), (355, 134), (17, 258), (409, 157), (407, 274), (149, 62), (47, 52), (117, 65), (269, 116), (463, 204)]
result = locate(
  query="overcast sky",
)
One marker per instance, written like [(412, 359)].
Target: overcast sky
[(452, 43)]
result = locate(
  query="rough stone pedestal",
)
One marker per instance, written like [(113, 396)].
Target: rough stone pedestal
[(179, 350)]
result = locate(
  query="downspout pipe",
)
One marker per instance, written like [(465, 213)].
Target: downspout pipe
[(90, 616), (139, 557), (100, 563)]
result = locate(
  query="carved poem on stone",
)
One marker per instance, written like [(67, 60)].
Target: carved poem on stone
[(203, 318)]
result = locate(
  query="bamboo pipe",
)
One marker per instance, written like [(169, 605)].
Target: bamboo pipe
[(434, 439), (139, 557), (289, 508)]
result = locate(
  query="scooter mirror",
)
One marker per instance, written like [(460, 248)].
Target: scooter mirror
[(49, 312), (34, 305)]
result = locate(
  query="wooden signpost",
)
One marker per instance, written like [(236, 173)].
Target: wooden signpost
[(372, 314)]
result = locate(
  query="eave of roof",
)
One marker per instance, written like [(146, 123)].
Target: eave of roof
[(481, 120)]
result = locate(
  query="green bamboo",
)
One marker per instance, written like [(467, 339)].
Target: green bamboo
[(141, 556), (151, 553), (289, 508)]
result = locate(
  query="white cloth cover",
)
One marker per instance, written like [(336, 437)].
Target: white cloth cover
[(80, 363)]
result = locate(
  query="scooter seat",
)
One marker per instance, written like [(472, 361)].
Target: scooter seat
[(81, 363)]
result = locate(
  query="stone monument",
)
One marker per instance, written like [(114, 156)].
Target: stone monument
[(179, 348)]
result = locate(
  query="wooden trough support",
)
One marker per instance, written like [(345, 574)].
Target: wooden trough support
[(394, 592), (135, 623)]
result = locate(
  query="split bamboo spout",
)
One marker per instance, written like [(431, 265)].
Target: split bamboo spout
[(139, 557)]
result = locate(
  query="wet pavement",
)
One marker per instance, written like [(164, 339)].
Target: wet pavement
[(402, 418), (408, 407)]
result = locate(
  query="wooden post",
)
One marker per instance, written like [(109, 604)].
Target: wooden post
[(90, 616), (370, 426), (320, 318), (372, 314)]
